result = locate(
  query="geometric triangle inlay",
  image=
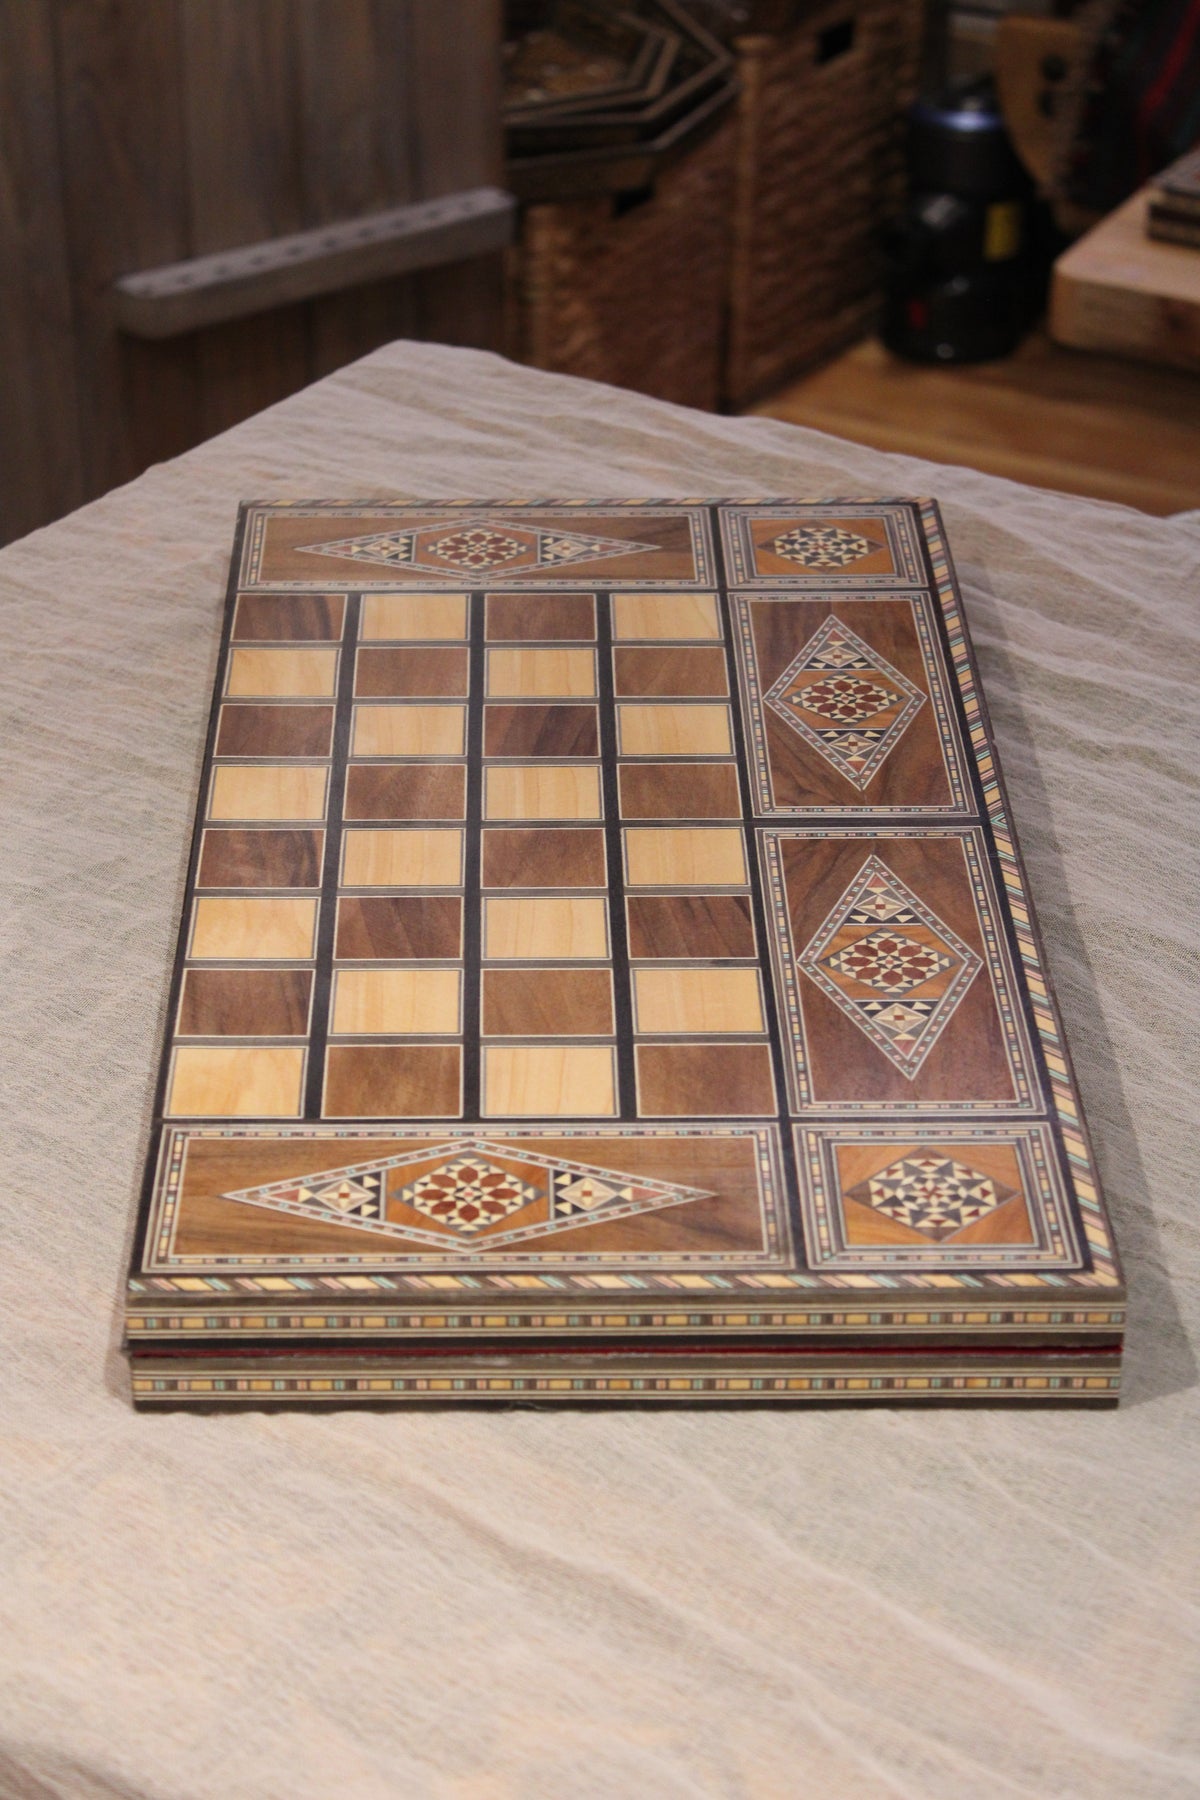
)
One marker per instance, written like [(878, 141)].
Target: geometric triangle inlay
[(846, 701), (466, 1196), (463, 547), (934, 1194), (892, 966)]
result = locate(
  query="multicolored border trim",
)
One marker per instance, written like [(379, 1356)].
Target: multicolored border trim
[(830, 1320), (376, 581), (1063, 1092), (1017, 1381)]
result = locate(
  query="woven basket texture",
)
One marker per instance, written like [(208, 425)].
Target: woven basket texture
[(819, 167), (632, 295)]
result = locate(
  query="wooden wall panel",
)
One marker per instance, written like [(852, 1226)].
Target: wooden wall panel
[(455, 50), (40, 466), (244, 183), (357, 155), (126, 208), (135, 133)]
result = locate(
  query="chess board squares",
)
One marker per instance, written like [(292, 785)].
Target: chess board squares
[(396, 1002), (289, 674), (679, 1081), (405, 791), (541, 674), (679, 791), (537, 1003), (666, 618), (244, 1003), (393, 1081), (546, 1081), (697, 1001), (252, 928), (545, 927), (268, 791), (390, 671), (282, 617), (408, 729), (236, 1081), (534, 730), (275, 730), (673, 926), (285, 858), (542, 791), (545, 618), (563, 857), (406, 857), (691, 729), (700, 856), (388, 927), (679, 671), (404, 618)]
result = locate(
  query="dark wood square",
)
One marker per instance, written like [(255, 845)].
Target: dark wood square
[(387, 927)]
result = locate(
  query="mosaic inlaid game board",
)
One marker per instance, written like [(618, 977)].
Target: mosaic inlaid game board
[(607, 974)]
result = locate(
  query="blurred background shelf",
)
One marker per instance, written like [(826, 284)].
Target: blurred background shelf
[(1058, 418)]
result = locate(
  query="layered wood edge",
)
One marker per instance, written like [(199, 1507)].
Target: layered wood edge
[(654, 887)]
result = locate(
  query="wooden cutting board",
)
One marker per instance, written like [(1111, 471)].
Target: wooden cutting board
[(1118, 289), (607, 974)]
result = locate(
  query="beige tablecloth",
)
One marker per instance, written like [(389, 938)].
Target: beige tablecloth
[(816, 1603)]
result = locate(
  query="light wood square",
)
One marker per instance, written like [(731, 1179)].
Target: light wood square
[(552, 927), (554, 674), (685, 856), (697, 1001), (549, 1081), (275, 791), (666, 617), (253, 928), (282, 674), (236, 1081), (437, 618), (661, 729), (542, 791), (405, 730), (397, 1002), (407, 857)]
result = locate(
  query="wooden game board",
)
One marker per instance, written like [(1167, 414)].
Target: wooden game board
[(607, 974)]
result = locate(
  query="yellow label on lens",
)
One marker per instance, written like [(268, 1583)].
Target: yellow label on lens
[(1002, 231)]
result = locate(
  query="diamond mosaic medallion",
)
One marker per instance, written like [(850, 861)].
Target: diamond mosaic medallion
[(901, 982), (935, 1195), (823, 546), (469, 1196), (467, 547), (846, 701)]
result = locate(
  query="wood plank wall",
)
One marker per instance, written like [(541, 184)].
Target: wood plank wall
[(140, 132)]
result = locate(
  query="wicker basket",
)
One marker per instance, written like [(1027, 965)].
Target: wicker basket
[(818, 169), (631, 293)]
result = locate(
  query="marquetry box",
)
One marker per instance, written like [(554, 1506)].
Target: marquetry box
[(607, 974)]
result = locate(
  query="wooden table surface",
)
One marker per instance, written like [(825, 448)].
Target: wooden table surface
[(1073, 420)]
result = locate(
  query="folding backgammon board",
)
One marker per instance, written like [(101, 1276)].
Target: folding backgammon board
[(607, 974)]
